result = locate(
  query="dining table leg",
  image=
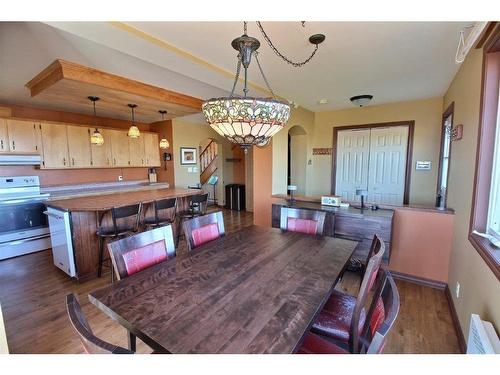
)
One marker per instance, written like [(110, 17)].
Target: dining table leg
[(132, 341)]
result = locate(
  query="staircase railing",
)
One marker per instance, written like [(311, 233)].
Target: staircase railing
[(208, 162)]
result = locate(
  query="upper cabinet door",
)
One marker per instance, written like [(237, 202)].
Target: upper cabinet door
[(119, 148), (151, 145), (55, 146), (79, 147), (101, 154), (136, 147), (4, 139), (22, 136)]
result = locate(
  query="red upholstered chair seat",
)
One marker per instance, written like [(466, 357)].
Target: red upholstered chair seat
[(144, 257), (314, 344), (302, 225), (205, 234), (335, 319)]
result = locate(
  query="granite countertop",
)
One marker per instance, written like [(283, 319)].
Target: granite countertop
[(102, 202), (74, 191)]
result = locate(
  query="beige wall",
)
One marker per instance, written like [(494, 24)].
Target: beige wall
[(479, 288), (427, 116), (304, 118), (319, 128), (189, 134)]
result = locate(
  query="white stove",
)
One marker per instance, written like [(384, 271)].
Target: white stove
[(23, 225)]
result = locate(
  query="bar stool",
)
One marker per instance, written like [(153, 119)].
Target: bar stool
[(159, 219), (125, 222), (197, 207)]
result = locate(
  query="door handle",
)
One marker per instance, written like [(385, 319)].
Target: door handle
[(53, 215), (1, 144), (114, 161), (64, 161), (13, 145), (73, 161)]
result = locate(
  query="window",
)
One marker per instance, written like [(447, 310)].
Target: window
[(444, 159), (485, 213), (493, 224)]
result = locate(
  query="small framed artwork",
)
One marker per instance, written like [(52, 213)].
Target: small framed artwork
[(188, 156)]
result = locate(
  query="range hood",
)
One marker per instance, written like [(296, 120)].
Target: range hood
[(20, 159)]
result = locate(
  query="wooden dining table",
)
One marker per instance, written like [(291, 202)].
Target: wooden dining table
[(256, 290)]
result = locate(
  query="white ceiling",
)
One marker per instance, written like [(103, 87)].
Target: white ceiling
[(392, 61)]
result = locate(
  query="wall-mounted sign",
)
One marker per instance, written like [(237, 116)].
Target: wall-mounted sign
[(423, 165), (322, 151)]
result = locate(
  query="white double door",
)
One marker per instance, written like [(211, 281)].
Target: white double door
[(372, 159)]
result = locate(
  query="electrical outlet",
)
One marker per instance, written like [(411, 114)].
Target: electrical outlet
[(120, 178), (457, 289)]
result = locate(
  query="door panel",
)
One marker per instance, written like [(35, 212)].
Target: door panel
[(22, 136), (387, 169), (151, 147), (136, 147), (4, 139), (55, 146), (120, 148), (79, 147), (352, 162), (101, 154)]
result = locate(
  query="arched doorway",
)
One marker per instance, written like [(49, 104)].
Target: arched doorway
[(297, 158)]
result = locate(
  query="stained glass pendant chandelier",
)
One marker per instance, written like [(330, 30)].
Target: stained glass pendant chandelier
[(249, 121), (96, 137)]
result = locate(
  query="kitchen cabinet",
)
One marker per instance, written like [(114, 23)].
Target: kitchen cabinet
[(55, 146), (136, 150), (4, 139), (79, 147), (102, 156), (151, 147), (22, 136), (119, 148)]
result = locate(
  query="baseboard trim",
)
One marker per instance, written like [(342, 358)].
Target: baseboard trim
[(419, 280), (456, 322)]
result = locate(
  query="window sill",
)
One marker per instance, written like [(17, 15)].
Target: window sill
[(488, 252)]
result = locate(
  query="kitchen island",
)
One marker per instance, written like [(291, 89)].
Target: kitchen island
[(80, 217)]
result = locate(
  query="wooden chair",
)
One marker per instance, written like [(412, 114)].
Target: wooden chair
[(302, 220), (383, 314), (91, 343), (125, 221), (164, 213), (197, 207), (203, 229), (140, 251), (343, 317)]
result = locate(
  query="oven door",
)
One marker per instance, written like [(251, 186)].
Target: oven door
[(23, 227)]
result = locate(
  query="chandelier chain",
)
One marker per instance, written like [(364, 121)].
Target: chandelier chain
[(256, 54), (293, 63), (237, 76)]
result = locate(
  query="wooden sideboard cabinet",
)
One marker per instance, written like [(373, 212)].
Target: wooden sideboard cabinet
[(349, 223)]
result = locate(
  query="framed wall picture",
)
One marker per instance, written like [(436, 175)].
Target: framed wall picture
[(188, 156)]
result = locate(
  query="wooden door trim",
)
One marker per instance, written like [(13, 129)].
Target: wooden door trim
[(449, 111), (409, 150)]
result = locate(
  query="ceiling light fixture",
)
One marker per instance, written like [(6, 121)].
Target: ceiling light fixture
[(163, 142), (96, 137), (133, 131), (249, 121), (361, 100), (322, 101)]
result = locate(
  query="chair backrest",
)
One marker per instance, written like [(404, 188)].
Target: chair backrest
[(369, 279), (126, 214), (91, 343), (302, 220), (199, 203), (381, 315), (203, 229), (140, 251), (165, 204)]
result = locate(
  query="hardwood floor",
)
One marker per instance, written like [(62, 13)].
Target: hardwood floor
[(33, 290)]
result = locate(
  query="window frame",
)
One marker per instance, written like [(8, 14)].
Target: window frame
[(450, 111), (485, 152)]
